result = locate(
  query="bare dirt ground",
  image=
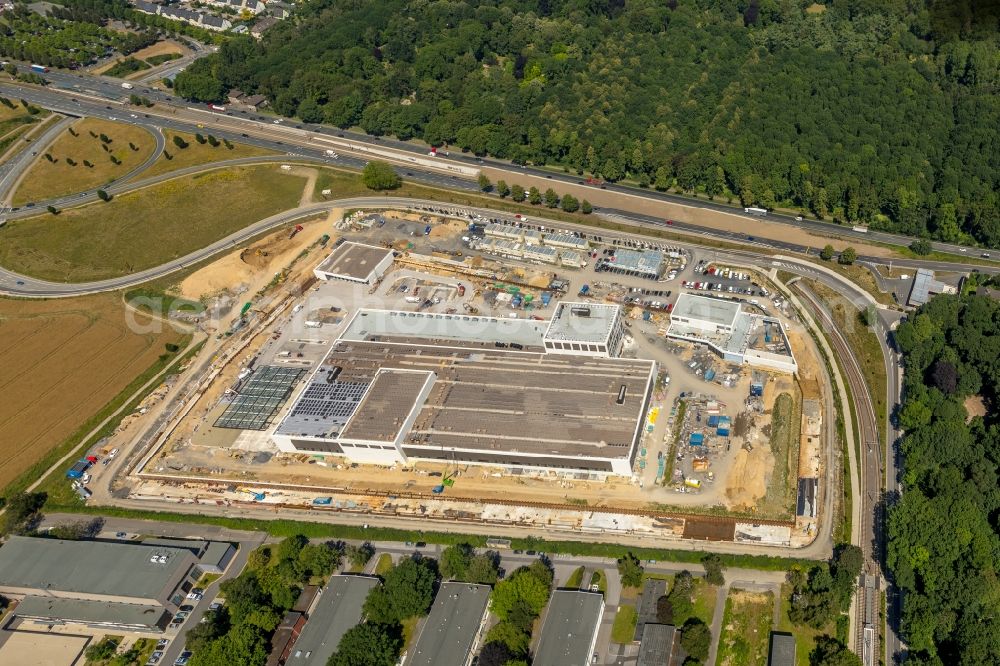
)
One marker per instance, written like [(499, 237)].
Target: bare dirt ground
[(62, 361), (974, 406), (247, 270), (161, 48), (701, 216), (243, 271)]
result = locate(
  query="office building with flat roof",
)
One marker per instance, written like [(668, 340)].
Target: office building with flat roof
[(355, 262), (585, 329), (569, 633), (454, 627), (337, 608), (737, 336)]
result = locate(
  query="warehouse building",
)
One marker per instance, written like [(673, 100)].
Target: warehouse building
[(125, 585), (569, 634), (402, 386), (337, 608), (454, 627), (355, 262), (737, 336)]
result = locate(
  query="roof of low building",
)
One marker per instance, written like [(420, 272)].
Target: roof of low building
[(782, 649), (450, 630), (353, 260), (90, 567), (338, 609), (657, 645), (92, 612), (570, 624), (704, 308)]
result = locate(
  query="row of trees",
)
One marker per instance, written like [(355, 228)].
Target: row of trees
[(534, 196), (865, 112), (517, 601), (943, 533)]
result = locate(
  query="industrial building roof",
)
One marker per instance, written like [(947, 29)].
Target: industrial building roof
[(657, 645), (703, 308), (390, 399), (353, 260), (91, 612), (570, 625), (582, 322), (338, 609), (489, 399), (441, 329), (782, 650), (90, 567), (924, 286), (451, 628)]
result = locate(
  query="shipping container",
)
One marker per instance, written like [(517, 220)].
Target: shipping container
[(723, 431), (713, 421), (77, 470), (697, 439)]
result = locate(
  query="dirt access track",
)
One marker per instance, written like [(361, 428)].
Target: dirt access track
[(692, 213), (62, 361)]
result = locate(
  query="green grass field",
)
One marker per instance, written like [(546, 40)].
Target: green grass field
[(623, 629), (575, 579), (746, 628), (197, 153), (383, 565), (147, 227), (785, 426), (46, 180)]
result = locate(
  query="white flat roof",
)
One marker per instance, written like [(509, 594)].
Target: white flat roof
[(583, 322), (353, 260), (703, 308)]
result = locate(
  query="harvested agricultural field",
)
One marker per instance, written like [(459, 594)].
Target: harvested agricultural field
[(95, 143), (147, 227), (63, 360)]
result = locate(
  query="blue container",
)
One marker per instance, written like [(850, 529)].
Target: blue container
[(723, 431), (713, 421), (697, 439)]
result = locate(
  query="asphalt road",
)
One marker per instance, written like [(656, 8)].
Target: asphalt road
[(109, 90)]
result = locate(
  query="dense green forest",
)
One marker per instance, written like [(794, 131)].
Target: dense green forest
[(944, 535), (878, 111)]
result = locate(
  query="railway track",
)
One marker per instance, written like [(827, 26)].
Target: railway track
[(870, 455)]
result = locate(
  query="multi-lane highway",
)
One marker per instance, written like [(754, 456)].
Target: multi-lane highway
[(105, 89)]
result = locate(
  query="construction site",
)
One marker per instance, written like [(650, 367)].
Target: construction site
[(396, 370)]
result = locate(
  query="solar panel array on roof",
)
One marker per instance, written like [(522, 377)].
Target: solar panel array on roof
[(259, 398)]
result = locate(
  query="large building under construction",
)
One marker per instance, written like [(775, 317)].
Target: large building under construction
[(404, 386)]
